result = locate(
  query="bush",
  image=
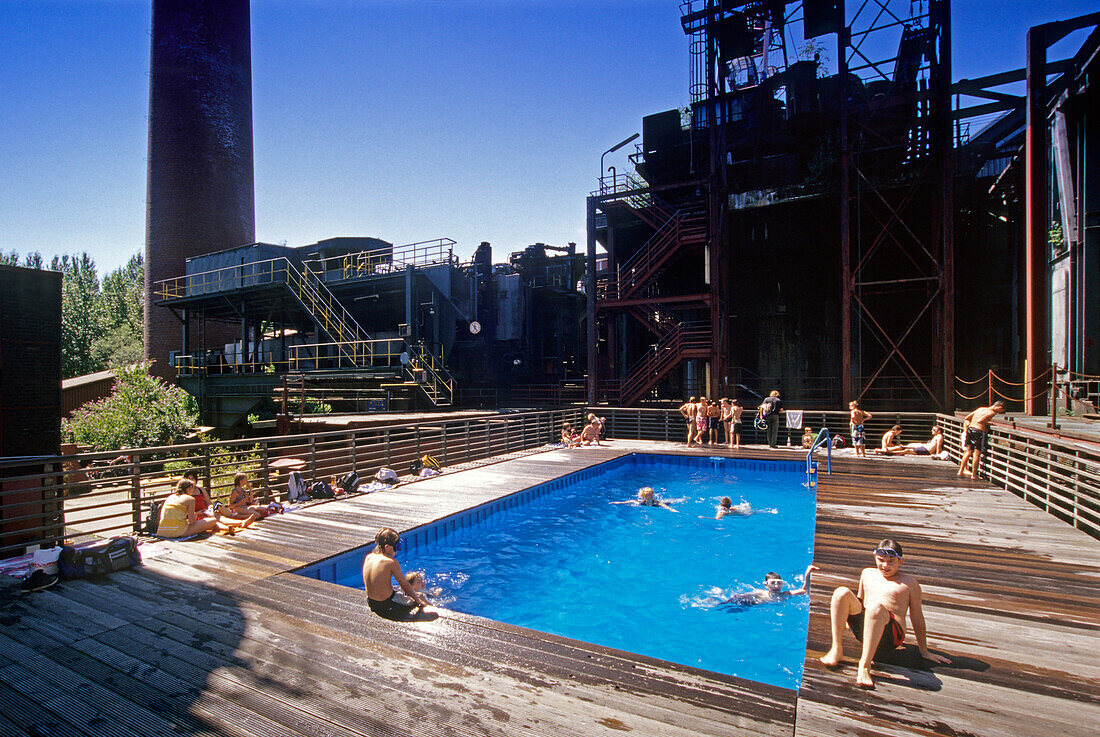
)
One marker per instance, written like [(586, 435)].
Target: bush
[(142, 411)]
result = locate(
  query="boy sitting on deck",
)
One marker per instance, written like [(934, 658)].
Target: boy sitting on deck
[(380, 567), (876, 613)]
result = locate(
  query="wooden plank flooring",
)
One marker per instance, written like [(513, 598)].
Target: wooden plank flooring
[(219, 637)]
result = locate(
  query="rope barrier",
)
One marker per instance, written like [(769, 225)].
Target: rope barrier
[(964, 381), (963, 396), (1022, 383), (1083, 376)]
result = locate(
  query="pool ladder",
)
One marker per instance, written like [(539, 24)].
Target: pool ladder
[(811, 467)]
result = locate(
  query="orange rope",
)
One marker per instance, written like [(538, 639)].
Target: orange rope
[(964, 381), (1083, 376), (963, 396), (1023, 383)]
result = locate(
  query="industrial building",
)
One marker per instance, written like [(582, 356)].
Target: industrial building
[(860, 232), (363, 325), (847, 235)]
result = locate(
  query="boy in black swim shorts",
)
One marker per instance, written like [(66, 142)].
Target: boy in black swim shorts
[(975, 429), (876, 613), (379, 568)]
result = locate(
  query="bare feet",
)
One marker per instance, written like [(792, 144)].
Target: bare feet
[(864, 680), (830, 659)]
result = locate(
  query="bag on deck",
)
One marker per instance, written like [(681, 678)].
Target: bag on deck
[(428, 461), (117, 554), (152, 520), (321, 490), (296, 490), (349, 483), (386, 475)]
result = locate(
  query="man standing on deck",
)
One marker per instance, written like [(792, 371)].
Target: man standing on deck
[(687, 409), (770, 409), (975, 432)]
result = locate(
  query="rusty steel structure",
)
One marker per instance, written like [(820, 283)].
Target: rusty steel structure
[(896, 206), (786, 208)]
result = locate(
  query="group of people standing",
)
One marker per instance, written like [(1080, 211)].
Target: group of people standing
[(704, 418)]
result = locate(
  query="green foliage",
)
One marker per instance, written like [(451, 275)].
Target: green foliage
[(142, 411), (313, 406), (30, 261), (101, 323), (80, 313)]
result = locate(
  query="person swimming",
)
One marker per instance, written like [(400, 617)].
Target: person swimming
[(773, 590), (742, 508), (646, 498)]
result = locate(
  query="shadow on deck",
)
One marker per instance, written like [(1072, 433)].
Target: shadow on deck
[(218, 637)]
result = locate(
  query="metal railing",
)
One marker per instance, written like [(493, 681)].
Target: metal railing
[(668, 424), (822, 439), (376, 353), (45, 500), (377, 262), (257, 273), (1059, 475), (662, 357), (436, 381)]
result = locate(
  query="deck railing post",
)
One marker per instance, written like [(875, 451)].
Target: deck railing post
[(389, 463), (444, 443), (206, 470), (265, 472), (351, 443), (135, 489), (313, 458)]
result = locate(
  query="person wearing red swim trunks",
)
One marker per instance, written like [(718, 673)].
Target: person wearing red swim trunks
[(876, 613)]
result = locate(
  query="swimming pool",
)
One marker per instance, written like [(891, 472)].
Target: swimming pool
[(560, 558)]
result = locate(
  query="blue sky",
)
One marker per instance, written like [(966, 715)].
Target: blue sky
[(405, 120)]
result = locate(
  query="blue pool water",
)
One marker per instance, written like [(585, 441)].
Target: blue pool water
[(561, 558)]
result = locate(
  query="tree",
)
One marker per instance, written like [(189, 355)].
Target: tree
[(122, 302), (142, 411), (80, 313)]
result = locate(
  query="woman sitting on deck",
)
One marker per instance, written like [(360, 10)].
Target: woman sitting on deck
[(178, 518), (242, 503)]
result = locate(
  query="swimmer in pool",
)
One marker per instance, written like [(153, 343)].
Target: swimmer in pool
[(742, 509), (416, 580), (773, 590), (646, 498)]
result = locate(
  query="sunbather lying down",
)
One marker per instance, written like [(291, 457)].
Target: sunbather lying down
[(933, 447)]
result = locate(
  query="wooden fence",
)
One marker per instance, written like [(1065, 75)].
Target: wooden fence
[(1060, 475), (46, 499)]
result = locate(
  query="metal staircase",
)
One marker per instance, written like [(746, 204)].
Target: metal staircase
[(330, 316), (348, 346), (685, 340), (642, 204), (683, 228)]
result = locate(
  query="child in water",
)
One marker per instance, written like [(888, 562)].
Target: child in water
[(416, 580), (773, 590), (646, 498), (743, 508)]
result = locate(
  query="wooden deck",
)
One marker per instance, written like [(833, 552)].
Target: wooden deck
[(218, 637)]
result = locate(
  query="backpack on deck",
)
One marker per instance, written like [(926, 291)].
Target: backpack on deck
[(321, 490), (117, 554), (152, 519), (428, 461), (296, 490), (349, 483)]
